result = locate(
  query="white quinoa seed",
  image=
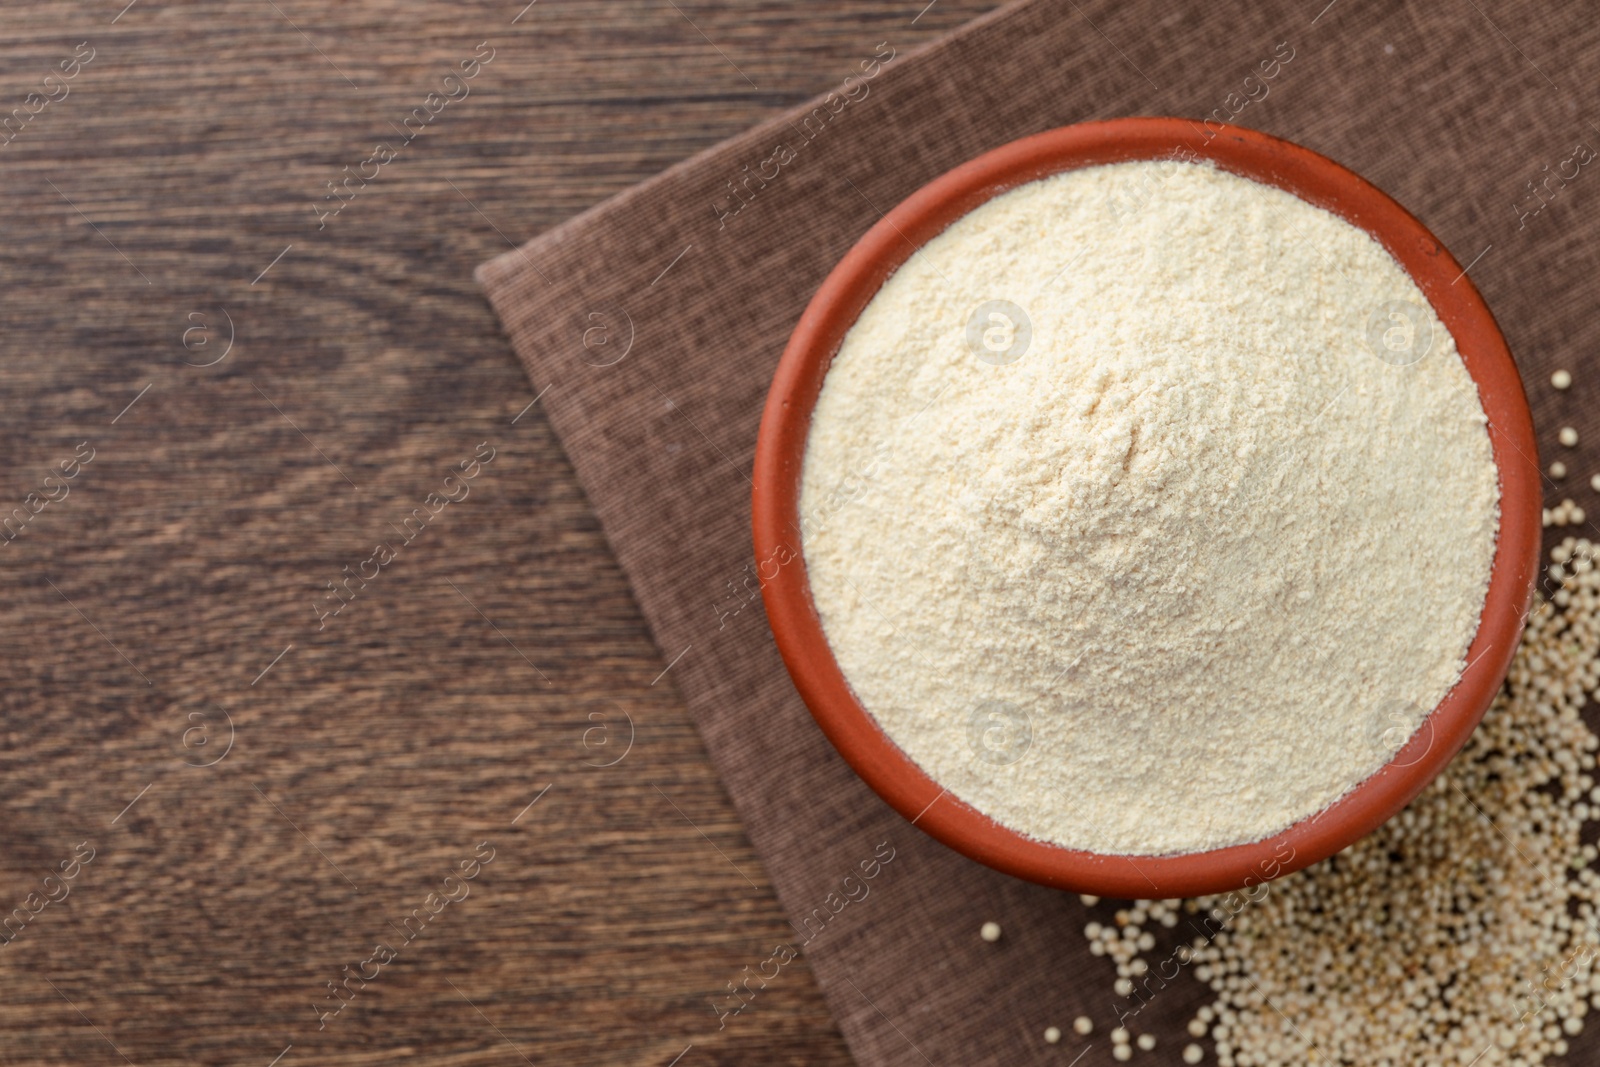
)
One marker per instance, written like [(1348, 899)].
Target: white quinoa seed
[(1146, 510), (1594, 483), (1122, 1053), (1558, 470), (1052, 1035), (1561, 379), (1568, 436), (1467, 923), (1082, 1025), (1146, 1041), (990, 931)]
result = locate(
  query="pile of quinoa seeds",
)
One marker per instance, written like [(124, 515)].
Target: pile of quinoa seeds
[(1462, 933)]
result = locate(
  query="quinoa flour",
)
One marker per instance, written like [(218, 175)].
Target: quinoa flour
[(1148, 508)]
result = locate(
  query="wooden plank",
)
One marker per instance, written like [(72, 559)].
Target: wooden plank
[(173, 195)]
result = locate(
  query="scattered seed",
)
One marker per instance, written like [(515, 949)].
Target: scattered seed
[(1568, 436), (990, 932), (1052, 1035), (1561, 379), (1484, 881), (1146, 1041), (1558, 470), (1082, 1025)]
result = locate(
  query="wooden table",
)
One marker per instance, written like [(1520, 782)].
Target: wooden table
[(243, 349)]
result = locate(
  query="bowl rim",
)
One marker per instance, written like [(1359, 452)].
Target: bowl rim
[(797, 629)]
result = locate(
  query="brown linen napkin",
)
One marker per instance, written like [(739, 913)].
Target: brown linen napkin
[(656, 320)]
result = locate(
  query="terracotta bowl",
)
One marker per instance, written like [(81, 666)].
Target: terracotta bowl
[(780, 452)]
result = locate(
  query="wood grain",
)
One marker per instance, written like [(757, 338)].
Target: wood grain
[(165, 199)]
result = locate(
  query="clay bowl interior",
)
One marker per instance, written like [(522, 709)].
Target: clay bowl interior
[(780, 452)]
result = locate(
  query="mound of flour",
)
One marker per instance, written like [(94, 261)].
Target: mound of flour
[(1149, 509)]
